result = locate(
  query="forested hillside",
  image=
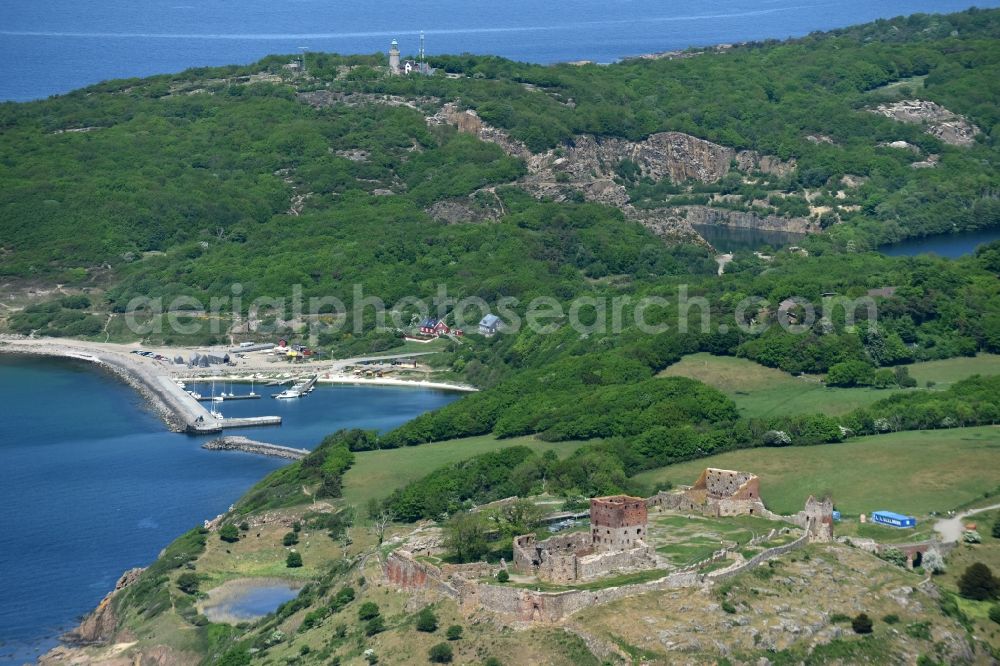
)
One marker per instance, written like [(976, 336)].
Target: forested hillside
[(271, 179), (102, 175)]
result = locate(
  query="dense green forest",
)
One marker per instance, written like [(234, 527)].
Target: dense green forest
[(213, 156), (196, 183)]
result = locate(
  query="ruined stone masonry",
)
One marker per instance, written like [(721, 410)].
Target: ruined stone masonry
[(724, 492), (615, 543), (717, 492)]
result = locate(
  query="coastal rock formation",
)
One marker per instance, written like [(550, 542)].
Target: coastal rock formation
[(939, 121), (101, 624)]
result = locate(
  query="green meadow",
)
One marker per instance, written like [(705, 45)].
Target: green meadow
[(760, 391), (375, 474), (910, 472)]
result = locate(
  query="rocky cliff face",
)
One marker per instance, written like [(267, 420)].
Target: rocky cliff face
[(101, 624), (590, 165), (940, 122), (742, 219)]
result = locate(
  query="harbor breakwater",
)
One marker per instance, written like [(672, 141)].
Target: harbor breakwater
[(247, 445), (164, 401), (176, 408)]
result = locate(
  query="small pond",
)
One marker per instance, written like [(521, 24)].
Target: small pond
[(247, 599)]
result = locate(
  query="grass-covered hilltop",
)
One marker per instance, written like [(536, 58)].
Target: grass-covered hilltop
[(824, 368)]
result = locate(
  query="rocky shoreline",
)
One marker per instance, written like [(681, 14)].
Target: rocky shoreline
[(138, 379)]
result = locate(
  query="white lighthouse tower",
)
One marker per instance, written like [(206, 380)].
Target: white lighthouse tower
[(394, 58)]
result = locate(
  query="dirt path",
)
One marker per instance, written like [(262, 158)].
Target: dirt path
[(950, 529)]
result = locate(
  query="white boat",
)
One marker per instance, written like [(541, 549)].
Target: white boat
[(195, 395), (216, 413), (288, 394)]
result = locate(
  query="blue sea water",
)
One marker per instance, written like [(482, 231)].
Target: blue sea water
[(91, 483), (53, 46)]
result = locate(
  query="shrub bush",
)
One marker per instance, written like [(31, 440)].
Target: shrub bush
[(861, 624), (978, 583), (503, 576), (995, 613), (374, 626), (921, 630), (294, 560), (188, 583), (368, 610), (427, 621), (229, 533), (454, 632), (441, 654)]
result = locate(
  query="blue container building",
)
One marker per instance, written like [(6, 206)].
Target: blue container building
[(893, 519)]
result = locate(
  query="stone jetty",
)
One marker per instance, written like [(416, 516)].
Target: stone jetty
[(246, 445)]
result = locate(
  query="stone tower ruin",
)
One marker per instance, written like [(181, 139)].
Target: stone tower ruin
[(617, 522)]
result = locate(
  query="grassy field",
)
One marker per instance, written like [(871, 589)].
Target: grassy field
[(761, 391), (910, 472), (376, 474), (949, 371), (684, 540), (410, 347)]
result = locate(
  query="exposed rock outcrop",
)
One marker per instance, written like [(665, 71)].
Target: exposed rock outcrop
[(455, 211), (324, 98), (590, 166), (746, 220), (940, 122), (101, 624)]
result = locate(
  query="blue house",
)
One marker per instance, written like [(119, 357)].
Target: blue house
[(489, 325), (893, 519)]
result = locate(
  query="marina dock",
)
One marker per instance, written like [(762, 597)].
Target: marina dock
[(227, 398), (300, 389), (199, 420)]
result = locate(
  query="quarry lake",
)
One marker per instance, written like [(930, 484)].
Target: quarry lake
[(54, 46), (943, 245), (92, 483)]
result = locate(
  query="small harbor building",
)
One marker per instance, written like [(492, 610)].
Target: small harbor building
[(893, 519)]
